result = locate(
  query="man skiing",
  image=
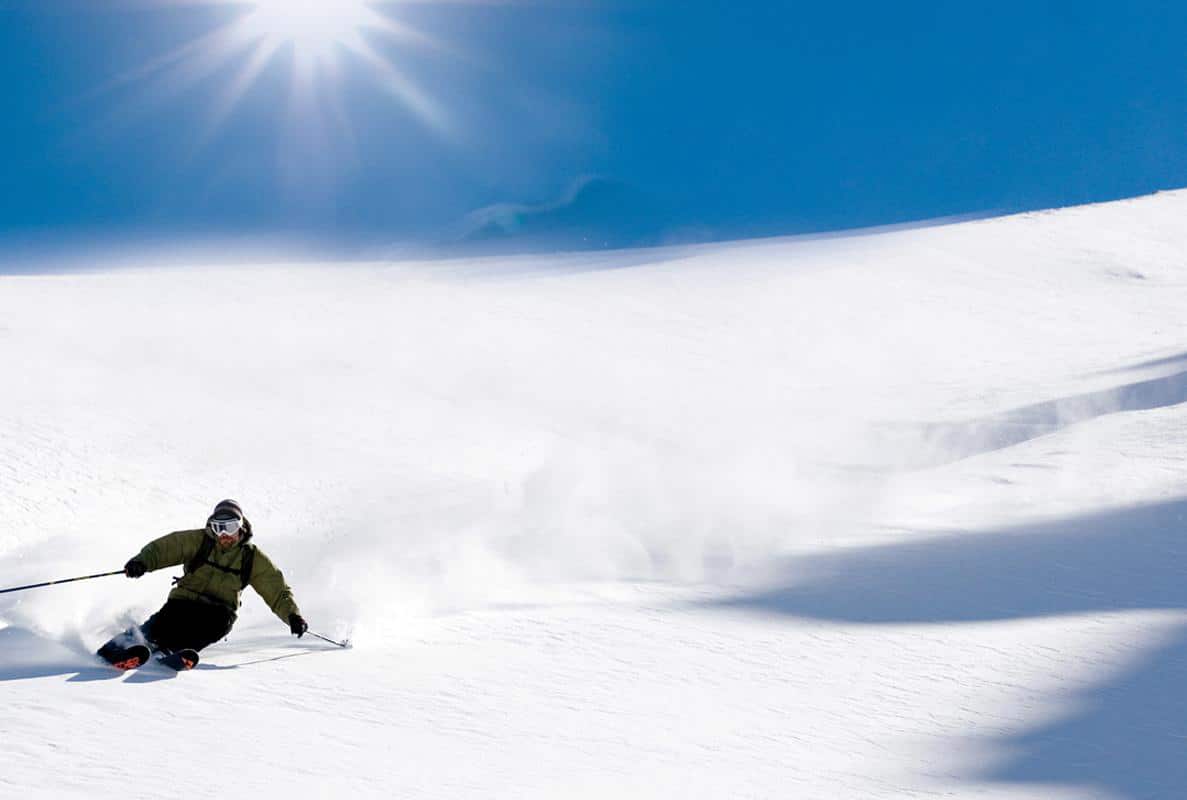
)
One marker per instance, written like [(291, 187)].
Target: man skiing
[(219, 563)]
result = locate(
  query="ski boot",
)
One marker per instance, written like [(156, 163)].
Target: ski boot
[(125, 658)]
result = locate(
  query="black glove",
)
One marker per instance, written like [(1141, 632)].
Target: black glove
[(135, 568), (298, 625)]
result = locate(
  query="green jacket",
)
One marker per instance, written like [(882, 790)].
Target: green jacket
[(208, 583)]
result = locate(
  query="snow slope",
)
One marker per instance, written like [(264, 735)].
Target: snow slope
[(892, 515)]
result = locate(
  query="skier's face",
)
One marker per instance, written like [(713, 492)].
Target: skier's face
[(227, 530)]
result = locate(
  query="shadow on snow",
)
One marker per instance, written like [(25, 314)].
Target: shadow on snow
[(937, 444), (25, 655), (1126, 735), (1176, 361)]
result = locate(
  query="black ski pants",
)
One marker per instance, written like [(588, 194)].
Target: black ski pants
[(187, 623)]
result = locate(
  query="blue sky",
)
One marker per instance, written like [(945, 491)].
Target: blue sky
[(733, 119)]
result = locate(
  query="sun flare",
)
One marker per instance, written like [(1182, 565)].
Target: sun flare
[(310, 25), (321, 40)]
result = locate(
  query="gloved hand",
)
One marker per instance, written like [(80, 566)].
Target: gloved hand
[(298, 625), (135, 568)]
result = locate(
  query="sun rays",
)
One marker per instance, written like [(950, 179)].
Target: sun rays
[(311, 26), (319, 40)]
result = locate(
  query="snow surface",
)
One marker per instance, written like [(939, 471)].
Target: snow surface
[(886, 516)]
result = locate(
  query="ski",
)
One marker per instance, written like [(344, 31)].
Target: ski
[(180, 660)]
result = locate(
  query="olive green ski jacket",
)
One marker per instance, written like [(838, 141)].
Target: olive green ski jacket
[(218, 580)]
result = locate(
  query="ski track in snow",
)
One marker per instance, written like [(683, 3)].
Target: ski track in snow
[(897, 515)]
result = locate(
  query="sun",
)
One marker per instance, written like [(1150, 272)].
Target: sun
[(325, 37), (323, 41), (311, 26)]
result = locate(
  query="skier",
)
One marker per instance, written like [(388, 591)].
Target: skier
[(219, 563)]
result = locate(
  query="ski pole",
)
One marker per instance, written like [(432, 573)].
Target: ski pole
[(344, 643), (65, 580)]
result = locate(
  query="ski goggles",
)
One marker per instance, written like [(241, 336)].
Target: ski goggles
[(225, 527)]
